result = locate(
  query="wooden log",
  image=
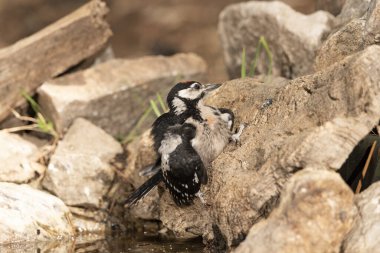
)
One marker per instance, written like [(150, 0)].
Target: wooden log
[(28, 63)]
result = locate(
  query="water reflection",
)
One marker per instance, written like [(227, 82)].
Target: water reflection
[(154, 244)]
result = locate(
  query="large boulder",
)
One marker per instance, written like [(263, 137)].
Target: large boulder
[(114, 94), (27, 214), (292, 37), (316, 211), (353, 37), (364, 236), (79, 171), (18, 159), (311, 122)]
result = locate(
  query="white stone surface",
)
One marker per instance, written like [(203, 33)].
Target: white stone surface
[(27, 214), (79, 171), (17, 161)]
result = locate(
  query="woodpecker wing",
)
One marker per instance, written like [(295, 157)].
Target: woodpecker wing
[(184, 174), (161, 126)]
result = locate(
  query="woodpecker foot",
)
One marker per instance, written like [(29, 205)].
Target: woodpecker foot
[(236, 137), (200, 196)]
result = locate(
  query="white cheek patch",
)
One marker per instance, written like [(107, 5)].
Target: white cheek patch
[(179, 106), (189, 93)]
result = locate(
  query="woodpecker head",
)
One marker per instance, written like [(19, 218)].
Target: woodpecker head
[(186, 94)]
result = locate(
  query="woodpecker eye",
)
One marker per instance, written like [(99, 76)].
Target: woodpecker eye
[(196, 86)]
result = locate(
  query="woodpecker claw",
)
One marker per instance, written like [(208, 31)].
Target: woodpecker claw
[(236, 137)]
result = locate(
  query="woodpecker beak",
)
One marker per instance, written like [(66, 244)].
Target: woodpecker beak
[(211, 87)]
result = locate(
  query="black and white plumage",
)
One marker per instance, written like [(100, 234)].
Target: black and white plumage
[(182, 168), (202, 131), (183, 100)]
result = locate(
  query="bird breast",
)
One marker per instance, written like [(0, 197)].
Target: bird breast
[(212, 135)]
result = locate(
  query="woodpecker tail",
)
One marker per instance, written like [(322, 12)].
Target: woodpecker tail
[(144, 189)]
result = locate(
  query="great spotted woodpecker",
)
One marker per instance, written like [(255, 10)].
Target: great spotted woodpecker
[(203, 132)]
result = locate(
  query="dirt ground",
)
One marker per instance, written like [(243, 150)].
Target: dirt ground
[(141, 27)]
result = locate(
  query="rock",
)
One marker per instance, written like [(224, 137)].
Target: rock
[(102, 56), (25, 65), (316, 211), (352, 9), (114, 94), (141, 154), (86, 221), (18, 159), (351, 38), (27, 214), (310, 6), (292, 37), (105, 55), (178, 219), (39, 246), (364, 236), (332, 6), (312, 122), (79, 171)]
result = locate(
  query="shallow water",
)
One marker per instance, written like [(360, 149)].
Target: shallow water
[(154, 244)]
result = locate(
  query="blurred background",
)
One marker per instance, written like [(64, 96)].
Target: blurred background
[(144, 27)]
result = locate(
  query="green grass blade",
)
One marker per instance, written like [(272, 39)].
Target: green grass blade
[(255, 60), (269, 54), (133, 133), (243, 64), (162, 103), (155, 107), (36, 108), (45, 126)]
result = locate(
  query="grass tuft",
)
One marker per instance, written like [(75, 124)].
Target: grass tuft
[(262, 44), (39, 124), (156, 106)]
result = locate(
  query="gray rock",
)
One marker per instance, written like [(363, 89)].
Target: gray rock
[(313, 122), (332, 6), (351, 38), (316, 211), (18, 159), (310, 6), (102, 56), (79, 171), (352, 9), (27, 214), (293, 38), (364, 236), (114, 94)]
